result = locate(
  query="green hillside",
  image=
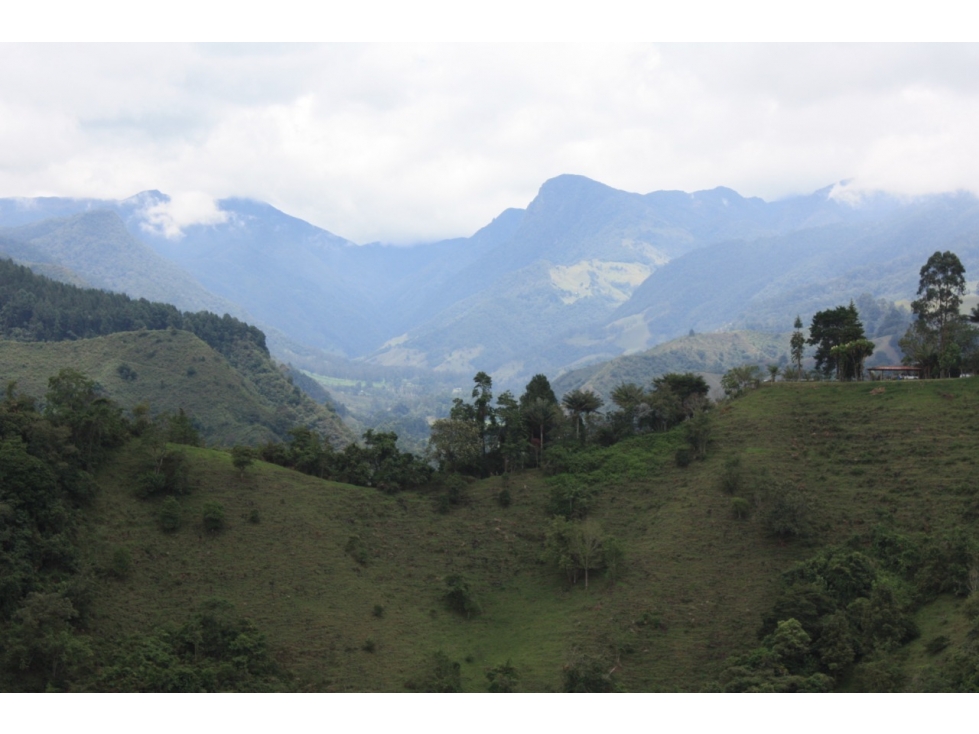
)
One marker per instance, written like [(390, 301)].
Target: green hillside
[(708, 354), (171, 370), (348, 583)]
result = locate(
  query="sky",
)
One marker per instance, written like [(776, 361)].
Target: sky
[(410, 142)]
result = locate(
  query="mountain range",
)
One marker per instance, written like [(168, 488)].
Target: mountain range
[(585, 273)]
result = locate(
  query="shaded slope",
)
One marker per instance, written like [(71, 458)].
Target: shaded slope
[(172, 369)]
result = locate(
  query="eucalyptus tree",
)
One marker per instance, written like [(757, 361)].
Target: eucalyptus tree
[(940, 290), (797, 344)]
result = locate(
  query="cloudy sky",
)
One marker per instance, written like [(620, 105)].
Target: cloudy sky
[(406, 143)]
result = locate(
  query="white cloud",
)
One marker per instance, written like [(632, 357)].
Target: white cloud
[(408, 142), (168, 217)]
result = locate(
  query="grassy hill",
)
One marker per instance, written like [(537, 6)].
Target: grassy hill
[(309, 561), (170, 370)]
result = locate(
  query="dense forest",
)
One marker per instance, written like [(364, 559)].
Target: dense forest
[(35, 308)]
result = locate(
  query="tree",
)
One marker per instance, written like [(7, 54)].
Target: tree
[(688, 389), (455, 444), (540, 416), (850, 358), (242, 458), (587, 546), (940, 290), (503, 678), (460, 597), (737, 380), (538, 388), (833, 328), (579, 403), (510, 432), (797, 344), (483, 412)]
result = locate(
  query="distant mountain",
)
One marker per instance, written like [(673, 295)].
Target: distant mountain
[(544, 298), (764, 283), (93, 248), (585, 273)]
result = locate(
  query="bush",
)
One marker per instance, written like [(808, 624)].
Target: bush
[(440, 675), (122, 563), (460, 597), (786, 512), (170, 515), (697, 431), (503, 678), (683, 457), (570, 499), (253, 517), (740, 507), (584, 674), (166, 473), (504, 498), (356, 549), (242, 458), (126, 372), (732, 476), (369, 645), (378, 611), (213, 517)]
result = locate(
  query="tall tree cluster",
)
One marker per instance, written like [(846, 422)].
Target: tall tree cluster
[(941, 339), (841, 345)]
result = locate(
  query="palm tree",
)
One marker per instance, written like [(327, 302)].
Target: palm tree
[(578, 402)]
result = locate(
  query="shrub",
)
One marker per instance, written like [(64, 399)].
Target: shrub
[(378, 611), (242, 458), (122, 563), (460, 597), (697, 431), (683, 457), (213, 517), (570, 499), (356, 549), (584, 674), (740, 507), (126, 372), (504, 497), (170, 515), (786, 512), (369, 645), (732, 476), (166, 473), (253, 517), (937, 644), (439, 675), (503, 678)]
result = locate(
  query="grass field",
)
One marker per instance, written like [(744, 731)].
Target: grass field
[(900, 453)]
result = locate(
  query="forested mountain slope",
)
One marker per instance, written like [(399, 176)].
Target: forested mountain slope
[(146, 351)]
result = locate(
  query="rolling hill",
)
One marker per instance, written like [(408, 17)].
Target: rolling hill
[(347, 583)]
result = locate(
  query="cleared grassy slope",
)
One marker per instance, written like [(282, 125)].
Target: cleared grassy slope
[(174, 369), (904, 456)]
